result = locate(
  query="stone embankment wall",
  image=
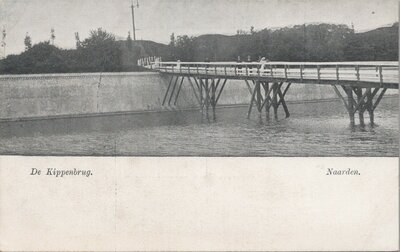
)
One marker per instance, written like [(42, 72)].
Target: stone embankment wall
[(54, 95)]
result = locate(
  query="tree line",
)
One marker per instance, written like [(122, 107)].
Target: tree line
[(314, 42), (100, 52)]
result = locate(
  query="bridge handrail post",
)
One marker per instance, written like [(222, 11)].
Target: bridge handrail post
[(285, 72), (225, 70), (301, 72), (235, 70), (188, 67), (247, 71), (173, 69), (215, 69), (357, 72), (337, 74), (319, 72), (271, 67), (380, 76), (197, 66)]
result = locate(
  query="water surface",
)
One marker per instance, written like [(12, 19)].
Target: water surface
[(314, 129)]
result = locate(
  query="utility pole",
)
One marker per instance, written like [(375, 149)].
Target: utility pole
[(133, 17)]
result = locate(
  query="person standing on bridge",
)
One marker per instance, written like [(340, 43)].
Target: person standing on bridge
[(207, 60), (263, 66), (157, 62), (249, 66), (239, 71)]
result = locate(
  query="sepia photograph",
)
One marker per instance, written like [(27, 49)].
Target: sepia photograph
[(199, 125), (199, 78)]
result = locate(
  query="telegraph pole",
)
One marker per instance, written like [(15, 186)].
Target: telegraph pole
[(133, 17)]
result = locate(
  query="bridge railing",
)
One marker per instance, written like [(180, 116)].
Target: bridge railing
[(381, 72)]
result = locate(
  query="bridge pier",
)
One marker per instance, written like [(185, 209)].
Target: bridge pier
[(269, 99), (364, 102), (364, 84), (205, 90), (350, 108), (369, 107), (208, 92), (362, 108), (266, 94), (275, 99), (171, 94), (357, 98)]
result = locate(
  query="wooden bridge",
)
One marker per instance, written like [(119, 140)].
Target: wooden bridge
[(360, 85)]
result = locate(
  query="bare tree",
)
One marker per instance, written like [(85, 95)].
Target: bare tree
[(27, 42), (129, 40), (77, 39), (52, 36), (172, 39), (3, 41), (252, 31)]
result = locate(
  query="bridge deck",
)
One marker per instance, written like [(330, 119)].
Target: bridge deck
[(360, 74), (364, 83)]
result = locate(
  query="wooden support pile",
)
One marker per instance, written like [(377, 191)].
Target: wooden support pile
[(267, 94), (171, 94), (364, 101), (206, 90), (272, 96), (209, 91)]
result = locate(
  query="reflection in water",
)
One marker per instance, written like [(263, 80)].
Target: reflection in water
[(314, 129)]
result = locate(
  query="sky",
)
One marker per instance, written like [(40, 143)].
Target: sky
[(157, 19)]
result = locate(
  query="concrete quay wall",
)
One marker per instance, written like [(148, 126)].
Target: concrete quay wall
[(54, 95)]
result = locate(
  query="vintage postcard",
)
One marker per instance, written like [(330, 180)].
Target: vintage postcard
[(199, 125)]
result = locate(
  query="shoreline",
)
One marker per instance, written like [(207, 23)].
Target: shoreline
[(167, 109)]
